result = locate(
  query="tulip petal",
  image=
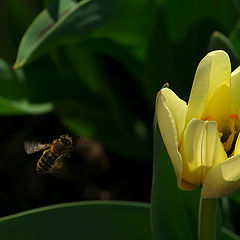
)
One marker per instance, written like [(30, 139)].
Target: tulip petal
[(213, 71), (223, 180), (218, 106), (186, 186), (201, 150), (235, 91), (170, 111), (178, 108)]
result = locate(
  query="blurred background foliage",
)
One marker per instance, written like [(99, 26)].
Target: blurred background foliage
[(98, 64), (92, 68)]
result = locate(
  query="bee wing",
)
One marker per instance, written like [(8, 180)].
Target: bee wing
[(32, 147), (57, 164)]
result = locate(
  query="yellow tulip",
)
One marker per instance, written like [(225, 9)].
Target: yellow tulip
[(202, 137)]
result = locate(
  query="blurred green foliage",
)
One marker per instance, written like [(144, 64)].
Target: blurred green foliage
[(98, 65)]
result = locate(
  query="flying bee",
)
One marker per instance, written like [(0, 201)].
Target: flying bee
[(52, 157)]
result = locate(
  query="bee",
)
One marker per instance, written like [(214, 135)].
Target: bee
[(52, 157)]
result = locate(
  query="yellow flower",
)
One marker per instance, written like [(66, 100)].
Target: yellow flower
[(202, 137)]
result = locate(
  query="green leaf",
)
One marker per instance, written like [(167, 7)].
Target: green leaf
[(229, 235), (63, 21), (81, 220), (10, 107), (174, 212)]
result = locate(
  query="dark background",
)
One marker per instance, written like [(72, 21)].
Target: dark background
[(92, 173)]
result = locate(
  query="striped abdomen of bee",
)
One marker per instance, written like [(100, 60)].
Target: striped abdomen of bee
[(45, 162)]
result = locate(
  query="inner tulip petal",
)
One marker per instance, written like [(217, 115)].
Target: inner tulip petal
[(213, 71), (235, 92), (218, 106), (201, 150)]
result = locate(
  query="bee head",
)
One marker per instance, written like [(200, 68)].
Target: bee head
[(66, 139)]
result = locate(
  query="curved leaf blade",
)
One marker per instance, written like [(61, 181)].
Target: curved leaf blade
[(81, 220), (229, 235), (11, 107), (63, 21)]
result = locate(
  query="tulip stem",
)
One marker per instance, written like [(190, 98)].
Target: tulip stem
[(207, 219)]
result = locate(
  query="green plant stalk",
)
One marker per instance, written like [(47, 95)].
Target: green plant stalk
[(207, 219)]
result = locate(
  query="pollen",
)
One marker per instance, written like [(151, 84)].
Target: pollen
[(235, 116)]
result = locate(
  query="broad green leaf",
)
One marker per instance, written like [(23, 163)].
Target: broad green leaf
[(174, 212), (63, 21), (81, 220), (229, 235)]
